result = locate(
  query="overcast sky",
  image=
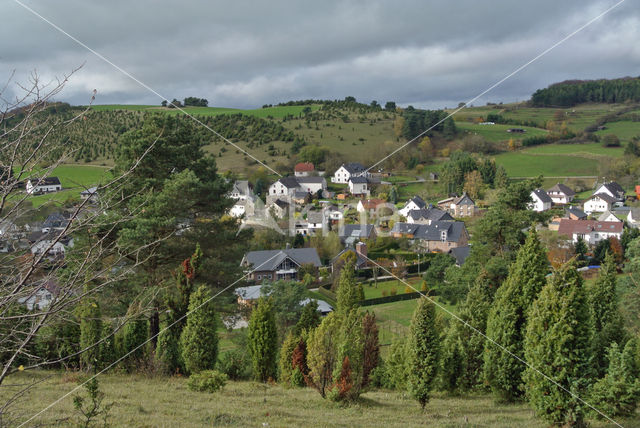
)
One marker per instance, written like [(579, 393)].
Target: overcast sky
[(248, 53)]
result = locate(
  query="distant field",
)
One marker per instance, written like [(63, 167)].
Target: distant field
[(576, 149), (499, 132), (522, 164), (275, 112), (623, 130)]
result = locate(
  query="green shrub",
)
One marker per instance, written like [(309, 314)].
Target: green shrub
[(235, 364), (207, 381), (199, 340)]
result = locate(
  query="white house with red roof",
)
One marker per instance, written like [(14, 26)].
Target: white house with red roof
[(592, 231), (303, 169)]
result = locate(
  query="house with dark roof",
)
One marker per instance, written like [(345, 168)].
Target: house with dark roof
[(349, 170), (279, 208), (303, 169), (43, 185), (575, 213), (241, 190), (359, 250), (55, 221), (439, 236), (460, 254), (91, 193), (608, 216), (540, 201), (415, 203), (297, 187), (599, 203), (633, 217), (591, 231), (561, 194), (359, 186), (461, 206), (428, 215), (357, 232), (274, 265), (612, 189)]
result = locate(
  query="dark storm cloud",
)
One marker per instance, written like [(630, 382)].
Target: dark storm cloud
[(243, 54)]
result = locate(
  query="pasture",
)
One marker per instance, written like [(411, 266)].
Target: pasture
[(268, 112), (499, 132), (624, 130)]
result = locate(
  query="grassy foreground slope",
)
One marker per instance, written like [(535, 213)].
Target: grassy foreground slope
[(166, 402)]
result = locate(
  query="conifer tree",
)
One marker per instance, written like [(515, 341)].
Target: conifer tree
[(309, 318), (107, 347), (631, 355), (90, 332), (263, 340), (300, 373), (323, 353), (508, 317), (285, 364), (606, 319), (134, 334), (557, 343), (199, 339), (452, 364), (350, 293), (423, 351), (618, 393), (371, 346)]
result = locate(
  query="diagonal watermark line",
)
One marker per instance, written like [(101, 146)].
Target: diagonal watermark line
[(145, 342), (144, 85), (493, 342), (499, 82)]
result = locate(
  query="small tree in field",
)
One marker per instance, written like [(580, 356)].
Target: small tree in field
[(199, 339), (423, 351), (300, 373), (557, 342), (286, 351), (90, 332), (350, 293), (263, 341), (371, 352)]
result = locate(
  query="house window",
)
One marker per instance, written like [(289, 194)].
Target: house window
[(259, 277), (443, 236), (269, 276)]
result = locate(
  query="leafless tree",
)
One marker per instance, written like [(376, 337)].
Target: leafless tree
[(43, 275)]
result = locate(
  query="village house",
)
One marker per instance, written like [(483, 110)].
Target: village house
[(357, 232), (614, 190), (50, 243), (43, 185), (462, 206), (460, 254), (428, 215), (633, 217), (317, 222), (278, 208), (369, 206), (349, 170), (359, 250), (55, 221), (303, 169), (540, 201), (599, 203), (608, 216), (415, 203), (244, 207), (297, 187), (275, 265), (248, 296), (575, 213), (358, 186), (241, 190), (439, 236), (91, 194), (591, 231), (561, 194)]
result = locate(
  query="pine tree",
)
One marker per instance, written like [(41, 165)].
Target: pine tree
[(285, 365), (263, 341), (557, 343), (199, 339), (90, 332), (350, 293), (581, 251), (508, 317), (618, 393), (606, 319), (423, 351)]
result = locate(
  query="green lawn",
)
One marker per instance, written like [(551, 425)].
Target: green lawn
[(522, 164), (371, 291), (623, 130), (499, 132), (148, 401), (586, 149), (275, 112)]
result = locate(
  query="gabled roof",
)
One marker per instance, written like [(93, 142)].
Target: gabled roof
[(605, 197), (282, 204), (46, 181), (90, 191), (270, 259), (576, 212), (301, 180), (56, 220), (634, 212), (561, 188), (420, 203), (569, 227), (542, 195), (607, 214), (241, 187), (304, 167), (323, 307), (463, 200), (360, 261), (315, 216), (253, 292), (371, 204), (432, 232), (460, 254), (354, 167), (614, 188), (358, 180), (433, 214), (289, 182), (362, 231)]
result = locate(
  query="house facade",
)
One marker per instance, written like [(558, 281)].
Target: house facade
[(415, 203), (439, 236), (591, 231), (43, 185), (561, 194), (297, 187), (303, 169), (612, 189), (462, 206), (275, 265), (599, 203), (241, 190), (540, 201), (359, 186), (348, 170)]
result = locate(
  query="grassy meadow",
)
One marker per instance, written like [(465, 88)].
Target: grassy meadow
[(523, 164), (268, 112), (167, 402), (624, 130), (499, 132)]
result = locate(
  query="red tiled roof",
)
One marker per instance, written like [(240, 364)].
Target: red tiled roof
[(569, 227), (370, 204), (304, 167)]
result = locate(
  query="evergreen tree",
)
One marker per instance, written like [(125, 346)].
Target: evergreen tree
[(557, 343), (300, 372), (393, 195), (107, 347), (508, 317), (350, 293), (134, 333), (199, 339), (451, 361), (309, 318), (631, 355), (397, 364), (371, 346), (285, 364), (423, 351), (90, 332), (618, 393), (581, 251), (607, 323), (323, 353), (263, 340)]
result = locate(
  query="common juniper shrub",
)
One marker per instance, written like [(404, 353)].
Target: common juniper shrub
[(207, 381)]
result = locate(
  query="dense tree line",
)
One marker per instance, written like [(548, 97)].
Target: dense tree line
[(417, 121), (572, 92)]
